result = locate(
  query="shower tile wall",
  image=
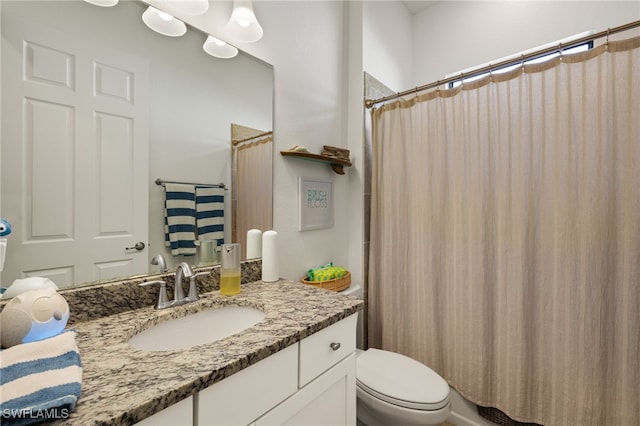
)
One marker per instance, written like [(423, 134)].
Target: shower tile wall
[(373, 89)]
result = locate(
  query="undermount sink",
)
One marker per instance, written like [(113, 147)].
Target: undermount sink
[(197, 329)]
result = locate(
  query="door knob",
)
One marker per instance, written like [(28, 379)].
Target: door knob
[(139, 246)]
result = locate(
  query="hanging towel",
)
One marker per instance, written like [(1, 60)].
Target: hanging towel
[(180, 218), (210, 213), (42, 378)]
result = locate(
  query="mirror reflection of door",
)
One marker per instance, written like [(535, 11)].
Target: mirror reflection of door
[(74, 148), (252, 181), (191, 100)]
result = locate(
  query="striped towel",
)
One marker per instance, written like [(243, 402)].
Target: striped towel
[(210, 213), (39, 379), (180, 219)]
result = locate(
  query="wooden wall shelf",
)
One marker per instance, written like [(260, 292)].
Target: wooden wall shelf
[(336, 164)]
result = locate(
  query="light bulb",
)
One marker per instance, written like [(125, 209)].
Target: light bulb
[(243, 25), (163, 23), (218, 48)]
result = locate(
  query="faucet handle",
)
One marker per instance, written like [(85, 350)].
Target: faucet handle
[(193, 288), (163, 300)]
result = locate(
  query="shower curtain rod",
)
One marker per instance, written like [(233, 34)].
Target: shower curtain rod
[(239, 141), (369, 103), (161, 182)]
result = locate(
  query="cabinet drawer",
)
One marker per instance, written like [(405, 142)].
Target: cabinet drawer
[(325, 348)]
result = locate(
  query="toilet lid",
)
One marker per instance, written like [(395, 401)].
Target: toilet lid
[(400, 380)]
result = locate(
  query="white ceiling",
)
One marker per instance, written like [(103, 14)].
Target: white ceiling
[(416, 6)]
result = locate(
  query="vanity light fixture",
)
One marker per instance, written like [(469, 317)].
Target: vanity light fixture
[(103, 3), (243, 24), (218, 48), (191, 7), (163, 23)]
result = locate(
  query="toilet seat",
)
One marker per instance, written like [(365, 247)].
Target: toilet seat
[(401, 381)]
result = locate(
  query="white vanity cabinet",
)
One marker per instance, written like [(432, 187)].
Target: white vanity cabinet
[(180, 413), (309, 383)]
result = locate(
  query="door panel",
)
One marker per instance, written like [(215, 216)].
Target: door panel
[(75, 147)]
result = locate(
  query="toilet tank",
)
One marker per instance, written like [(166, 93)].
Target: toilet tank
[(355, 289)]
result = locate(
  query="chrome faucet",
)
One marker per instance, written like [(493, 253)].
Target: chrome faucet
[(182, 271)]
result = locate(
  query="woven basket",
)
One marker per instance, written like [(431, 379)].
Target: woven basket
[(338, 284)]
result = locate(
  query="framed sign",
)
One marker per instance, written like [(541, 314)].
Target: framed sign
[(316, 203)]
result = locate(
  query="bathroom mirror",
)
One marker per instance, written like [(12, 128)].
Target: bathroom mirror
[(190, 102)]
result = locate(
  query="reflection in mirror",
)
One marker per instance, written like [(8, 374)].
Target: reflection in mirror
[(252, 179), (92, 116)]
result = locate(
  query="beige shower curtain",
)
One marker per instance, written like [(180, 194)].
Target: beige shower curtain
[(505, 237)]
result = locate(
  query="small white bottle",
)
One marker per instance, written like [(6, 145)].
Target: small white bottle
[(270, 267)]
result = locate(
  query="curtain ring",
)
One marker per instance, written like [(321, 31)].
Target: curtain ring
[(560, 52), (606, 40)]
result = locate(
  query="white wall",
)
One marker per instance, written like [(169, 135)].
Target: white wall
[(454, 35), (388, 43), (306, 49)]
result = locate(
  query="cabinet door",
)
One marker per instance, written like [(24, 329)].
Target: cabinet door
[(330, 399), (179, 414), (246, 395)]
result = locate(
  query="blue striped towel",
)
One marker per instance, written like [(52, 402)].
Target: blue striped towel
[(210, 213), (40, 380), (180, 218)]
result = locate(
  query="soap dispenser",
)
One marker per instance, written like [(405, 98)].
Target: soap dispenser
[(230, 269)]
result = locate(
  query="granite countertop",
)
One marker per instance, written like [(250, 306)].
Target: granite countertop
[(122, 385)]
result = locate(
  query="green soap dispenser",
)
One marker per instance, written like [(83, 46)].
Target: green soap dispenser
[(230, 269)]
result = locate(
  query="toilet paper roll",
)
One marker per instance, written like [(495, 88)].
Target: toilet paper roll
[(254, 243), (270, 266)]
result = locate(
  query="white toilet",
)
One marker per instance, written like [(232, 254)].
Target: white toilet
[(395, 390)]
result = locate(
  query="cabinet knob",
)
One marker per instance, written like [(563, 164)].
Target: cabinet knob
[(335, 345)]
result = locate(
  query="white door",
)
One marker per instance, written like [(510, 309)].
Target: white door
[(74, 157)]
